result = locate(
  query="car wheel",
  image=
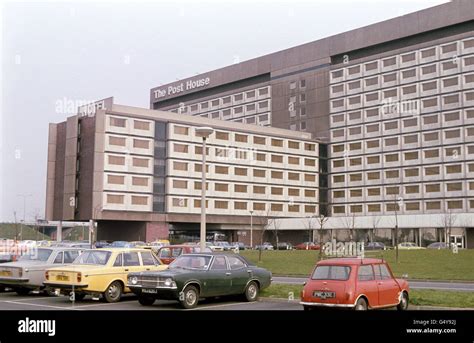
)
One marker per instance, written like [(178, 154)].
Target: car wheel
[(403, 305), (22, 291), (251, 291), (79, 296), (146, 301), (361, 305), (189, 297), (113, 293)]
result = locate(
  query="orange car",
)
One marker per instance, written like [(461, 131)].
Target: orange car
[(357, 283)]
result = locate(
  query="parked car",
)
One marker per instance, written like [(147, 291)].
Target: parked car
[(264, 246), (120, 244), (169, 253), (307, 246), (375, 246), (440, 245), (194, 276), (214, 247), (102, 272), (409, 246), (241, 245), (284, 246), (102, 244), (27, 273), (355, 283)]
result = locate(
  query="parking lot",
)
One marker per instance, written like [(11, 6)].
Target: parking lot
[(11, 301)]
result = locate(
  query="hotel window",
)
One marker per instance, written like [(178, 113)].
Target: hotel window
[(117, 160), (337, 163), (371, 81), (451, 99), (303, 126), (140, 162), (471, 186), (240, 171), (119, 141), (223, 136), (141, 125), (226, 113), (261, 157), (391, 125), (432, 153), (293, 160), (309, 147), (392, 174), (259, 173), (250, 107), (373, 191), (310, 209), (240, 205), (215, 115), (391, 158), (338, 118), (241, 138), (118, 122), (452, 134), (409, 156), (412, 172), (204, 105), (355, 177), (277, 207), (389, 61), (455, 205), (391, 141), (450, 82), (302, 83), (338, 178), (339, 194), (221, 204), (428, 86), (410, 122), (181, 130), (198, 168), (139, 181), (394, 190), (221, 170), (428, 53), (373, 144), (410, 139), (293, 208), (338, 148), (277, 191), (429, 69), (339, 209), (139, 200), (355, 115), (454, 187), (356, 208), (454, 169), (259, 206), (373, 159), (409, 90), (259, 140), (338, 88), (115, 199), (354, 70), (412, 189), (432, 119), (413, 206), (372, 128), (391, 93), (293, 145), (238, 110), (198, 150), (433, 205), (116, 179), (355, 193), (141, 144), (373, 208), (277, 158), (180, 184), (373, 176), (389, 77), (309, 193), (433, 136), (451, 116), (198, 185), (197, 203), (433, 188), (338, 133), (431, 171), (215, 103), (293, 176), (238, 97), (221, 187), (226, 100), (181, 148), (310, 177), (263, 104), (309, 162), (449, 65), (355, 130), (277, 174), (391, 207), (259, 190), (277, 142), (302, 97), (240, 188), (406, 74)]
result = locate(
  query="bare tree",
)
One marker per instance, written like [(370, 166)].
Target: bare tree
[(309, 225), (448, 221), (349, 224), (375, 221), (262, 219), (321, 220)]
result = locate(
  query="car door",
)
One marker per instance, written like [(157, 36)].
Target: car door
[(149, 262), (165, 255), (240, 274), (218, 277), (387, 286), (367, 285)]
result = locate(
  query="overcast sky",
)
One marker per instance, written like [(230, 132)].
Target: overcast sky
[(56, 54)]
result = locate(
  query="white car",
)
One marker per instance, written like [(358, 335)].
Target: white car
[(409, 246)]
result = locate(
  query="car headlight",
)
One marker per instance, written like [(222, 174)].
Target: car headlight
[(168, 282), (133, 280)]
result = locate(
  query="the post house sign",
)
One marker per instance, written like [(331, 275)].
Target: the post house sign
[(181, 87)]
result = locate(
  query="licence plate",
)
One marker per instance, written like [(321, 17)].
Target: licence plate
[(324, 294), (62, 278), (149, 290), (5, 273)]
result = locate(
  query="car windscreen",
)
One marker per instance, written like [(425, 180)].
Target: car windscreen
[(93, 257), (39, 255), (191, 262), (331, 273)]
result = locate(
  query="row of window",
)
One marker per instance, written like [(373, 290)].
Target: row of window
[(139, 162), (137, 124), (229, 100), (448, 50), (408, 189), (446, 84), (119, 199), (433, 170), (432, 205), (425, 104), (243, 188), (387, 126), (245, 138), (426, 119), (136, 143), (139, 181), (245, 206), (260, 119), (244, 171)]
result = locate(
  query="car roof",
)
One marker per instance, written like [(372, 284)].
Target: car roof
[(343, 261), (120, 249)]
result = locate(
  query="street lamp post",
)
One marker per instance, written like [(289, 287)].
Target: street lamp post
[(203, 132), (251, 229), (24, 211)]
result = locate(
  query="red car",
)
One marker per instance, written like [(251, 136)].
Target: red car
[(307, 246), (357, 283), (168, 254)]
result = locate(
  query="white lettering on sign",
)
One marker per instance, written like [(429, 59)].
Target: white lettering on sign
[(176, 89)]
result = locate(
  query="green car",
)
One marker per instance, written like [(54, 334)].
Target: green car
[(201, 275)]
